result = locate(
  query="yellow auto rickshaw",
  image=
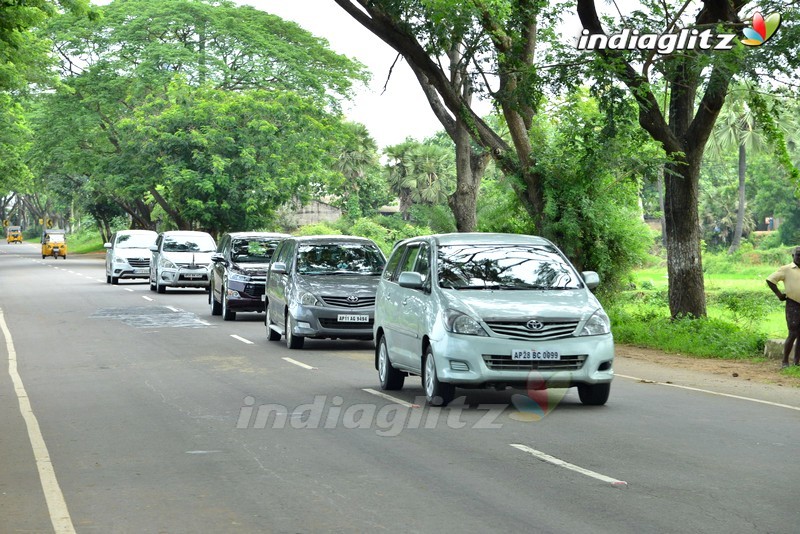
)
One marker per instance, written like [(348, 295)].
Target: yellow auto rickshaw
[(54, 243), (14, 234)]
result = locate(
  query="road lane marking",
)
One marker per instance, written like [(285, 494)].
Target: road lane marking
[(147, 298), (56, 505), (389, 397), (572, 467), (300, 364), (129, 289), (243, 340), (173, 308), (776, 404)]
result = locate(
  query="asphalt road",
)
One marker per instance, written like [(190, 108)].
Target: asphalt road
[(156, 417)]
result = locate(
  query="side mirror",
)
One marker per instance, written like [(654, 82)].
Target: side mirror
[(154, 248), (410, 280), (218, 258), (106, 245), (591, 278), (279, 267)]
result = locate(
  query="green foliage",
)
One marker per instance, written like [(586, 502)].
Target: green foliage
[(705, 337)]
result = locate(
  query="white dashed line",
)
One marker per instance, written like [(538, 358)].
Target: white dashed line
[(572, 467), (172, 308), (243, 340), (389, 397), (299, 364), (147, 298)]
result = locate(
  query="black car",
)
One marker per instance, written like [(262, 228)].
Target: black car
[(239, 272)]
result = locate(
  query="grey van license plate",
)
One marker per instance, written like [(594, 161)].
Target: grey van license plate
[(527, 355), (348, 318)]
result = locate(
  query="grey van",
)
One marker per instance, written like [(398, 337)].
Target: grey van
[(322, 287), (478, 310)]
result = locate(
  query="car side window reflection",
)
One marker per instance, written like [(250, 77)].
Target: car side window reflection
[(389, 273)]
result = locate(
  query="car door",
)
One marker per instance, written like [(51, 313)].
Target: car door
[(218, 268), (156, 254), (277, 283), (386, 303), (414, 306), (110, 255)]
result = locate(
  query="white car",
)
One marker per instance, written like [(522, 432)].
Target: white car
[(128, 255), (181, 258), (479, 310)]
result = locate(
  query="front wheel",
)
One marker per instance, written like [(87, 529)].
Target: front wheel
[(227, 313), (391, 379), (594, 394), (292, 341), (272, 335), (436, 393), (114, 281), (216, 307)]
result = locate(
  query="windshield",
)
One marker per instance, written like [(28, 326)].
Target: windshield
[(56, 238), (339, 258), (136, 240), (504, 267), (254, 249), (189, 243)]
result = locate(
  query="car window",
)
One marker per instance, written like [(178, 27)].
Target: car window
[(423, 264), (394, 261), (135, 241), (189, 243), (410, 258), (254, 249), (504, 267), (339, 258)]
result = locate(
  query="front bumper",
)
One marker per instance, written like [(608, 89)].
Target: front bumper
[(246, 296), (184, 277), (131, 272), (324, 322), (473, 361)]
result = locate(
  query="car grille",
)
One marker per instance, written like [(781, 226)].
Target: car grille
[(503, 362), (519, 330), (333, 323), (342, 302), (139, 262), (254, 290)]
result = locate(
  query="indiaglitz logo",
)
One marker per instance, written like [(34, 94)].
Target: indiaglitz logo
[(539, 402), (685, 39), (762, 29)]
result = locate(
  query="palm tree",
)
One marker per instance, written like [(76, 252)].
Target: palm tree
[(354, 160)]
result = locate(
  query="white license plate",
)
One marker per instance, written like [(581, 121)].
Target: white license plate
[(345, 318), (141, 271), (193, 276), (529, 355)]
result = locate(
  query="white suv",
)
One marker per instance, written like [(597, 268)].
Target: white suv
[(181, 259), (128, 255), (490, 310)]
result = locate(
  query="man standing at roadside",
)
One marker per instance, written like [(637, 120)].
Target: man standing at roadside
[(790, 276)]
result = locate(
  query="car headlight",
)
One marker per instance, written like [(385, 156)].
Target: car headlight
[(233, 277), (120, 260), (598, 324), (166, 264), (461, 323), (308, 299)]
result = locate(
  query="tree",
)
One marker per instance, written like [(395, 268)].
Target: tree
[(420, 173), (696, 86), (359, 187), (499, 40)]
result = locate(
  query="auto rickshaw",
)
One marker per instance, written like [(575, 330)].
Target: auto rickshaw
[(14, 234), (54, 243)]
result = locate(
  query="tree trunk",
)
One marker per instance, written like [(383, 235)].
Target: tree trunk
[(737, 234), (470, 167), (684, 265), (660, 185)]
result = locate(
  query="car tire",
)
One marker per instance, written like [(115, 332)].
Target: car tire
[(292, 341), (272, 335), (216, 307), (114, 281), (391, 379), (152, 283), (227, 314), (108, 279), (436, 393), (594, 394), (160, 288)]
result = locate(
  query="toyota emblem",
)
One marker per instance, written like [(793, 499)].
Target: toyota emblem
[(535, 325), (352, 299)]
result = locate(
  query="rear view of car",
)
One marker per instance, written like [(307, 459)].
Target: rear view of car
[(323, 287), (239, 272), (180, 258), (128, 255), (490, 310)]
